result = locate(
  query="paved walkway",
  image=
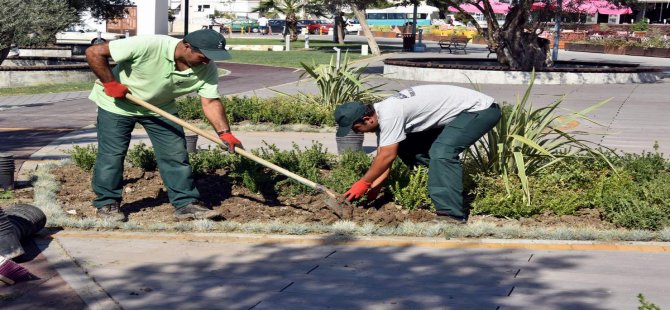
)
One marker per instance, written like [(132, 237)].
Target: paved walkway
[(215, 271)]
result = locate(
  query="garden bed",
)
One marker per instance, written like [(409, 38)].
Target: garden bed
[(145, 202)]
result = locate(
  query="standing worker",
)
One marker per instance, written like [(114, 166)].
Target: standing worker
[(156, 69), (428, 125), (263, 25)]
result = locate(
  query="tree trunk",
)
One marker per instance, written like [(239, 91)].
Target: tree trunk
[(292, 27), (360, 15), (517, 48), (3, 54), (340, 29)]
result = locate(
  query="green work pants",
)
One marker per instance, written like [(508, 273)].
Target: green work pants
[(169, 146), (439, 149)]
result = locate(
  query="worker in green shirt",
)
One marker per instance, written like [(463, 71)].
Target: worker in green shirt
[(157, 69)]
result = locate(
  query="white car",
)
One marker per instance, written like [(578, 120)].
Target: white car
[(71, 36), (353, 26)]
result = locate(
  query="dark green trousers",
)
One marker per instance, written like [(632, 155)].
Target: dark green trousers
[(169, 145), (439, 149)]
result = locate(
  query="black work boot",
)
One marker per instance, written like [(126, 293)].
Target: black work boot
[(442, 217), (111, 212), (195, 211)]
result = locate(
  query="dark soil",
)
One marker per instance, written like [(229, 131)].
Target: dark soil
[(145, 201)]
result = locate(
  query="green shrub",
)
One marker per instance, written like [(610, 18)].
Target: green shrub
[(84, 157), (413, 194), (6, 194), (142, 157), (526, 140), (645, 166), (636, 204), (349, 168), (207, 161), (278, 110), (190, 108), (307, 163), (561, 189), (640, 25)]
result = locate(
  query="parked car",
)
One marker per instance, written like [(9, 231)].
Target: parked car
[(316, 26), (72, 36), (236, 25), (277, 26), (352, 26)]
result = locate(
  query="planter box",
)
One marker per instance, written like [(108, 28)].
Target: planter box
[(595, 48), (576, 47), (657, 52), (617, 50), (635, 51)]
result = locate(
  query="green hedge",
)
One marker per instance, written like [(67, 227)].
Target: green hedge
[(279, 110)]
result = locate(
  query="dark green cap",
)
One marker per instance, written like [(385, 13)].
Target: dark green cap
[(345, 116), (209, 42)]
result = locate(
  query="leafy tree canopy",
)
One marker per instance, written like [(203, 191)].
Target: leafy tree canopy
[(36, 22)]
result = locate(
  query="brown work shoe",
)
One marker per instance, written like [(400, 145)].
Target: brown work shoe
[(441, 217), (194, 211), (111, 212)]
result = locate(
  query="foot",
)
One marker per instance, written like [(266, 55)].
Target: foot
[(111, 212), (442, 217), (194, 211)]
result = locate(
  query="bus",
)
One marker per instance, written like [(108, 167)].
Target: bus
[(401, 15)]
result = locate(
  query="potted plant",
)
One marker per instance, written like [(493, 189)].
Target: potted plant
[(339, 84)]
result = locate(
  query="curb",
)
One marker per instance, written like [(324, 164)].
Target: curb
[(369, 241), (84, 285)]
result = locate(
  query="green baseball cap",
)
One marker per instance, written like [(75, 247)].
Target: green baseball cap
[(345, 116), (209, 42)]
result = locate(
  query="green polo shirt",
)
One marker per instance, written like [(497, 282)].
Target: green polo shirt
[(146, 65)]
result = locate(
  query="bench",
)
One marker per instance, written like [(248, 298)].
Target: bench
[(455, 43)]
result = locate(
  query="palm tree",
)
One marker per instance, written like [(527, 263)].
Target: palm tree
[(289, 8)]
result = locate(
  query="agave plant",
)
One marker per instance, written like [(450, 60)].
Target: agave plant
[(340, 84), (527, 140)]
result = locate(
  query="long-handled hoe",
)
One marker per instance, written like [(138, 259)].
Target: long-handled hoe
[(334, 201)]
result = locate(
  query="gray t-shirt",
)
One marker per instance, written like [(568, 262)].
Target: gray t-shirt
[(424, 107)]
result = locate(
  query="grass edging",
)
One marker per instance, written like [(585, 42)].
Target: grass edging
[(46, 186)]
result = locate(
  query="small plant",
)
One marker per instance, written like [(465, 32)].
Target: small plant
[(338, 84), (414, 194), (640, 25), (6, 194), (84, 157), (142, 157), (645, 305)]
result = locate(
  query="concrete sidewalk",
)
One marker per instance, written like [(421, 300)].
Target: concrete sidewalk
[(236, 271)]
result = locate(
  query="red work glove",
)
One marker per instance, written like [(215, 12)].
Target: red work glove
[(357, 190), (115, 89), (230, 141)]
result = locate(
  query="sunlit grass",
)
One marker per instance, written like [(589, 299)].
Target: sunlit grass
[(46, 89)]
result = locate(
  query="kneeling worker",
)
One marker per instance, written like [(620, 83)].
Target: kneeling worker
[(428, 125)]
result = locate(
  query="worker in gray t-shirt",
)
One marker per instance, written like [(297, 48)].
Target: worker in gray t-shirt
[(428, 125)]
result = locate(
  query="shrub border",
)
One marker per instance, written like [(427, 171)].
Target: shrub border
[(46, 186)]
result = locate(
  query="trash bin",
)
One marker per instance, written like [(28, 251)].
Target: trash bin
[(408, 40)]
